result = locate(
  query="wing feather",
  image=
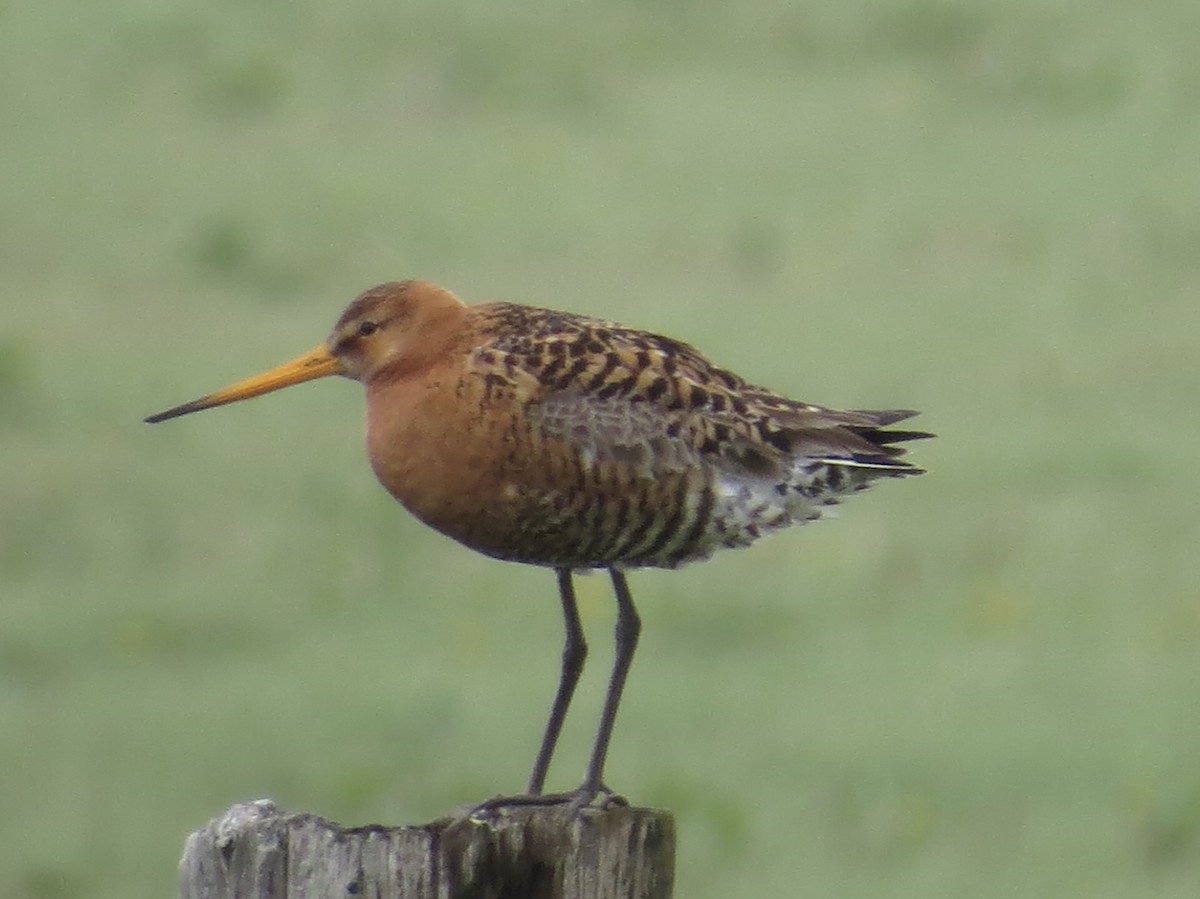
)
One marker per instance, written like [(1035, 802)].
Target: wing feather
[(656, 404)]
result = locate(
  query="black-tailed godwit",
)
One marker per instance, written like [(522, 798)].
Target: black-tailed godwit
[(573, 443)]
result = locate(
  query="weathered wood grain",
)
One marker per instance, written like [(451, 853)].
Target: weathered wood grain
[(256, 851)]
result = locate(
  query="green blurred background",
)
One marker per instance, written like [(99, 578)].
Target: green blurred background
[(982, 682)]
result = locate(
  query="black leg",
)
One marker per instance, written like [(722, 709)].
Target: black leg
[(629, 626), (573, 656)]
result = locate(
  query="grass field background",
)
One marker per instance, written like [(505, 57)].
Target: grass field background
[(983, 682)]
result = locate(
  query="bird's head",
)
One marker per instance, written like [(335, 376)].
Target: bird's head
[(387, 332)]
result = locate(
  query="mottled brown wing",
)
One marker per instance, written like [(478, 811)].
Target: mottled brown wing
[(650, 441), (657, 404)]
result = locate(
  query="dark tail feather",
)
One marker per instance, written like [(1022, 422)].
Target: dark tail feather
[(884, 417), (858, 440), (885, 439), (879, 436)]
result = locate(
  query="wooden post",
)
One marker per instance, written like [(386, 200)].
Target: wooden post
[(256, 851)]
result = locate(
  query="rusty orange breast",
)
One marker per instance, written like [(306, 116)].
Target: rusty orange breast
[(471, 468)]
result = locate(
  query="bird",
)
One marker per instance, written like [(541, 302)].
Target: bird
[(578, 444)]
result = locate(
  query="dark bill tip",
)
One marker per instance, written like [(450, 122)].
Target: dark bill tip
[(193, 406)]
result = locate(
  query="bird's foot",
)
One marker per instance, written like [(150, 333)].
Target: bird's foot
[(596, 796)]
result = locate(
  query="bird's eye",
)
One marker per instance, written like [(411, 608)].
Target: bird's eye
[(366, 329)]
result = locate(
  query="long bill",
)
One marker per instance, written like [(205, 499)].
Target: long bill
[(320, 363)]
